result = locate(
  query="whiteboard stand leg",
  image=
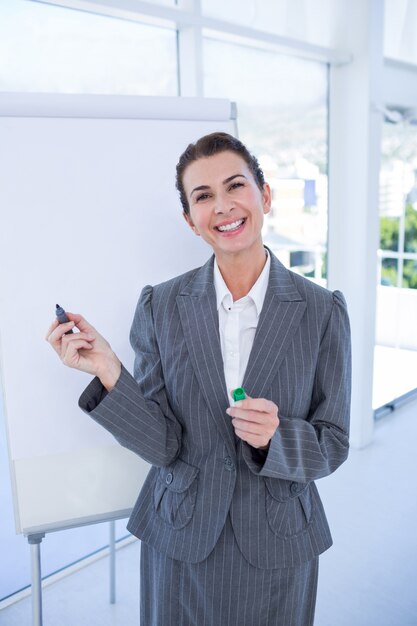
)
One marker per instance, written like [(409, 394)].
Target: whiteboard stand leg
[(35, 553), (112, 551)]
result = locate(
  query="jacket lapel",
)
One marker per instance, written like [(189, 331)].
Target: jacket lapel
[(200, 324), (280, 317)]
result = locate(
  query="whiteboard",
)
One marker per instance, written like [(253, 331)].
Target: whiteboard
[(89, 215)]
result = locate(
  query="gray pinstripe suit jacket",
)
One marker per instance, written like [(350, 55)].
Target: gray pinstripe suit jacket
[(173, 414)]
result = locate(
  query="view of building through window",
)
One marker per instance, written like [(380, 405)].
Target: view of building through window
[(396, 330), (398, 206), (283, 120)]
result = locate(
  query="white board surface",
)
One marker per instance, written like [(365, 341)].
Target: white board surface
[(89, 215)]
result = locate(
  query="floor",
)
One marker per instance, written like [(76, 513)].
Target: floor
[(368, 578)]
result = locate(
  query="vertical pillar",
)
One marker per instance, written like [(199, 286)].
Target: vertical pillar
[(190, 54), (354, 160)]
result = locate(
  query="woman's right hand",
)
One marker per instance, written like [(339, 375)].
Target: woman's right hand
[(85, 350)]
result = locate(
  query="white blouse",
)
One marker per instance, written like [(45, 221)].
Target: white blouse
[(237, 324)]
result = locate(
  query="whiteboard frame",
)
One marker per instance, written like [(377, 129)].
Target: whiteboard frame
[(32, 105), (116, 107)]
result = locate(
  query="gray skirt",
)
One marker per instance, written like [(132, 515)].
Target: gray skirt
[(224, 590)]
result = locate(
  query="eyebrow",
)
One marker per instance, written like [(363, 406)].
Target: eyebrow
[(226, 180)]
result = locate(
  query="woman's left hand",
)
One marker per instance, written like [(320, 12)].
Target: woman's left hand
[(255, 421)]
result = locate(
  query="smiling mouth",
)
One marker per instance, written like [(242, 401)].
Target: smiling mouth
[(228, 228)]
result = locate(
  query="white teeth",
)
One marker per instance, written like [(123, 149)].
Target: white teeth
[(231, 226)]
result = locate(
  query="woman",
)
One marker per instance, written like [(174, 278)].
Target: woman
[(229, 516)]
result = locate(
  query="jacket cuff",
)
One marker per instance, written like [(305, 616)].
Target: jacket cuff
[(261, 462), (95, 392)]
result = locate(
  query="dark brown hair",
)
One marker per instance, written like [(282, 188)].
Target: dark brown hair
[(208, 146)]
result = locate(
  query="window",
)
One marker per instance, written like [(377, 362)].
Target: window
[(282, 118), (396, 314), (400, 30), (45, 48), (314, 22), (398, 206)]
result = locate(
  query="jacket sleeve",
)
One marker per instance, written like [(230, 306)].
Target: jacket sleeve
[(136, 411), (304, 450)]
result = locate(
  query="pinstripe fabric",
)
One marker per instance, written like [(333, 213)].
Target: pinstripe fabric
[(173, 414), (225, 590)]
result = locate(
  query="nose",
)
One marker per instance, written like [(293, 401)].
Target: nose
[(224, 205)]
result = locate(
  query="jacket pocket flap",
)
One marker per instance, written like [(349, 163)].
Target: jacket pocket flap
[(283, 490), (178, 476)]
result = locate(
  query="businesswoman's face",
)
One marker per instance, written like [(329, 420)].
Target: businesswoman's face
[(227, 207)]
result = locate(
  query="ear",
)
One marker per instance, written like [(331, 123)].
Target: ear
[(190, 223), (266, 198)]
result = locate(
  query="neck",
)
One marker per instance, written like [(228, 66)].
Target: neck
[(240, 271)]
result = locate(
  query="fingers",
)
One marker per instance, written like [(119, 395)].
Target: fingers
[(59, 340), (255, 435), (57, 332), (66, 339), (255, 420), (80, 322), (248, 416), (255, 440), (258, 416), (245, 427), (256, 404), (70, 348), (52, 327)]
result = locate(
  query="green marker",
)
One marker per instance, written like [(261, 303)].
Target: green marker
[(239, 394)]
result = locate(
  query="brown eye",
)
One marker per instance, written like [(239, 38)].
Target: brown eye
[(202, 196), (235, 185)]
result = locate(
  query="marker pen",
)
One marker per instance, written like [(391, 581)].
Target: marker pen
[(62, 317), (239, 394)]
